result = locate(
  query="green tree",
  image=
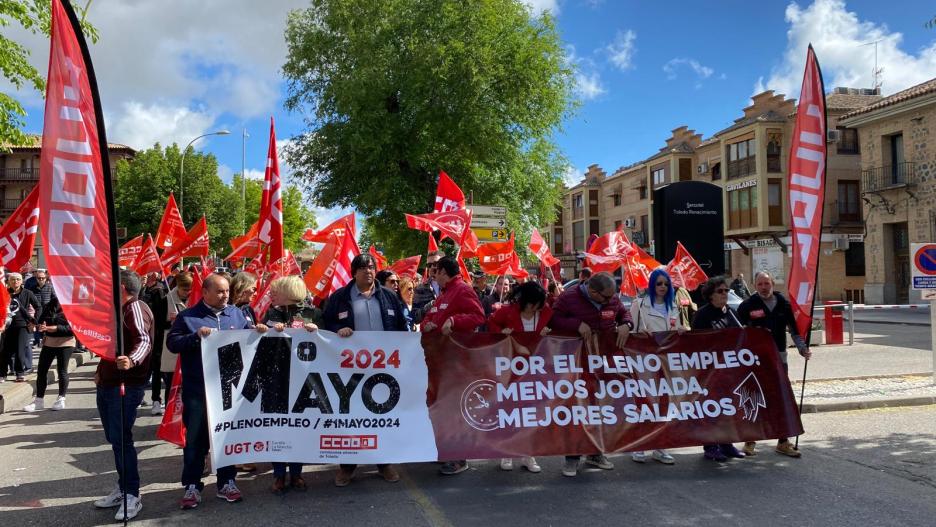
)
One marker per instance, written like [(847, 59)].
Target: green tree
[(394, 91), (297, 216), (35, 16)]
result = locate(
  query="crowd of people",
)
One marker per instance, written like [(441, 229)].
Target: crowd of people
[(159, 328)]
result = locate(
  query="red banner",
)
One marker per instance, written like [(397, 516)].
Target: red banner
[(271, 204), (539, 247), (448, 196), (18, 233), (407, 266), (807, 192), (171, 229), (608, 252), (75, 197), (496, 257), (454, 224), (381, 262), (684, 271), (338, 226), (256, 266), (522, 394), (148, 260), (129, 251)]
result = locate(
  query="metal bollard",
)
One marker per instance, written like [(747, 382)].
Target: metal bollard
[(851, 323)]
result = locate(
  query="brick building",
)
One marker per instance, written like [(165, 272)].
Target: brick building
[(897, 137), (749, 161)]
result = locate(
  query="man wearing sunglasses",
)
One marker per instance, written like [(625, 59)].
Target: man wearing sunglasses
[(428, 291), (589, 308)]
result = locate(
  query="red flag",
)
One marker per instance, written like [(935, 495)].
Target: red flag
[(608, 252), (256, 266), (197, 240), (4, 305), (285, 266), (148, 260), (380, 259), (639, 267), (515, 269), (271, 204), (196, 295), (807, 192), (76, 199), (539, 247), (407, 266), (338, 226), (448, 196), (18, 233), (171, 229), (129, 251), (684, 271), (246, 246), (463, 269), (433, 245), (496, 258), (454, 224), (331, 269), (171, 428)]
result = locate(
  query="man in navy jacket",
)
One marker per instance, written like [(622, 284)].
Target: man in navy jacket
[(211, 314)]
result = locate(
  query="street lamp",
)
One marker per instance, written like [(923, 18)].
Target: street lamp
[(182, 167)]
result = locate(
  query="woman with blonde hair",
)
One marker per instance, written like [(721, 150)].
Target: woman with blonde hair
[(407, 292), (243, 292)]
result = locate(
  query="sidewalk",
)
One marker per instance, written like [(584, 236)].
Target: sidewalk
[(15, 395)]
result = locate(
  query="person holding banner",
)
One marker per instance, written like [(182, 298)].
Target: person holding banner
[(716, 314), (212, 313), (243, 292), (768, 309), (407, 291), (587, 308), (364, 305), (120, 387)]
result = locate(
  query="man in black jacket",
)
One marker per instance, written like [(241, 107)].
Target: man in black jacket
[(153, 295), (363, 305), (17, 338), (770, 310), (40, 285)]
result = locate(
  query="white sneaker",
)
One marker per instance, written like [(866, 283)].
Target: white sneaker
[(663, 457), (134, 504), (506, 463), (530, 464), (36, 405), (600, 461), (570, 469), (157, 408), (59, 403), (114, 499), (639, 457)]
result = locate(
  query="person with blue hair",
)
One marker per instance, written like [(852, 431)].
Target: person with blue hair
[(654, 312)]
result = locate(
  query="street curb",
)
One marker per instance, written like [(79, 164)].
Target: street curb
[(866, 404), (892, 322), (798, 382), (18, 395)]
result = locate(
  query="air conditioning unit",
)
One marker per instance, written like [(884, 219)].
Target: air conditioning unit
[(702, 168), (630, 223), (841, 244), (833, 136)]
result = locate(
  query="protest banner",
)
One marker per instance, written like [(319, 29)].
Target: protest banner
[(393, 397)]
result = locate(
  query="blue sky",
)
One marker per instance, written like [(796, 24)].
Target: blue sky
[(171, 70)]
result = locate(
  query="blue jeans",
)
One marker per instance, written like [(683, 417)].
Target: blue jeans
[(279, 469), (195, 417), (108, 403)]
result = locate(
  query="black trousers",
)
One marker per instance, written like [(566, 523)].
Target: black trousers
[(61, 357)]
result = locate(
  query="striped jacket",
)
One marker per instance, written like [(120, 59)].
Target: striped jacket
[(138, 345)]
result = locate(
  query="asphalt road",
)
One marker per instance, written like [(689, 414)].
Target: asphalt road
[(870, 468)]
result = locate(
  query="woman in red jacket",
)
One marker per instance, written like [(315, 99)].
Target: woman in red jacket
[(527, 312)]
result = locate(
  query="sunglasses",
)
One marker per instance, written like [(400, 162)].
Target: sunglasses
[(603, 296), (393, 281), (721, 290), (658, 284)]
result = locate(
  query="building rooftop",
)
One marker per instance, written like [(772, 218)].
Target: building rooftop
[(899, 97), (34, 141), (851, 98)]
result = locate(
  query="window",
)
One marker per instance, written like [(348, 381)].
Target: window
[(578, 236), (774, 202), (616, 200), (618, 224), (855, 259), (774, 149), (659, 177), (592, 202), (849, 208), (741, 158), (642, 192), (742, 208), (594, 227), (849, 142), (578, 207), (645, 223), (716, 171), (557, 241)]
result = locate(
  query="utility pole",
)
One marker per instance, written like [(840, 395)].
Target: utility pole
[(244, 181)]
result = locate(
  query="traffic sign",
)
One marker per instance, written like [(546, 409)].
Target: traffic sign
[(487, 211), (923, 270), (491, 235), (494, 223)]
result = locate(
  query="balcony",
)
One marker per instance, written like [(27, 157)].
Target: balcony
[(17, 175), (7, 206), (888, 177)]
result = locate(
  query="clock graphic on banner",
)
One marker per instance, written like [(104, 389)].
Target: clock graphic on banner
[(478, 405)]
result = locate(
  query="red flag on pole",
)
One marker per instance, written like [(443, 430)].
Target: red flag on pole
[(285, 266), (271, 205), (463, 269), (433, 245), (148, 260), (684, 271), (4, 305), (246, 246), (195, 243), (448, 196), (608, 252), (338, 226), (454, 224), (18, 233), (539, 247), (331, 269), (807, 164), (171, 229), (171, 428), (76, 199), (496, 258), (379, 258), (407, 266), (129, 251)]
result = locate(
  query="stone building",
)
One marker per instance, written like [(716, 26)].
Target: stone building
[(897, 137), (749, 161), (19, 173)]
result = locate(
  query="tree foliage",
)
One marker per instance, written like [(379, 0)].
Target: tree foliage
[(36, 17), (143, 184), (394, 91)]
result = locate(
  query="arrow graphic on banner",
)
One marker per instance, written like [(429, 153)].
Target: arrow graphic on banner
[(750, 397)]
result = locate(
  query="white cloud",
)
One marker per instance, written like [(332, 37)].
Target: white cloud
[(702, 72), (538, 6), (587, 80), (572, 176), (621, 50), (139, 125), (839, 38)]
